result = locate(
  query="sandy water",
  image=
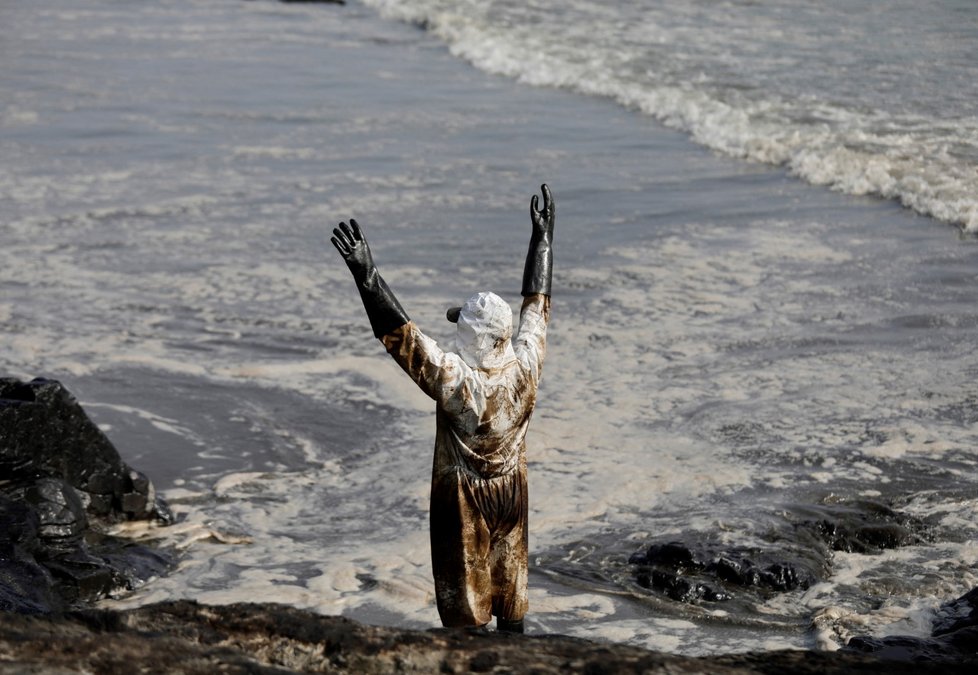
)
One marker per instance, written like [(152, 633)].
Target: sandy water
[(726, 340)]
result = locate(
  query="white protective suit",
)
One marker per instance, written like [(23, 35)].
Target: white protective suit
[(484, 396)]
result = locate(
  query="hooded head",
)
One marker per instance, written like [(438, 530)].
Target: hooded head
[(485, 325)]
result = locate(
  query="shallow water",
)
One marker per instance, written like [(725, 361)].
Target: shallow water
[(728, 344)]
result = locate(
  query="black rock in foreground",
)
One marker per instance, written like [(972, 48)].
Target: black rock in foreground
[(185, 637), (62, 483)]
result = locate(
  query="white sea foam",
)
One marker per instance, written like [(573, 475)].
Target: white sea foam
[(273, 152), (12, 116), (904, 603), (163, 424)]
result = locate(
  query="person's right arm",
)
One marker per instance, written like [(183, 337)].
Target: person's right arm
[(437, 373), (383, 310)]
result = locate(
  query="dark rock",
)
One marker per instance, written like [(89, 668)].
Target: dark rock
[(26, 587), (957, 614), (864, 526), (785, 577), (45, 433), (184, 637), (964, 640), (799, 554), (677, 587), (483, 662), (61, 514), (674, 554), (954, 636), (688, 574), (19, 527), (79, 575), (907, 648), (62, 483), (24, 584)]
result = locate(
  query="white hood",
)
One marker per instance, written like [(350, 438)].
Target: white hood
[(485, 326)]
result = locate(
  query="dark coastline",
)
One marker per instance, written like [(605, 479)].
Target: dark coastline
[(186, 637), (65, 482)]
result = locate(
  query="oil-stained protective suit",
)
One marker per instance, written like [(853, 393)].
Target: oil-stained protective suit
[(484, 395)]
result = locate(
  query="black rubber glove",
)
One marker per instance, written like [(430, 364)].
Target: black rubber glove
[(538, 271), (383, 309)]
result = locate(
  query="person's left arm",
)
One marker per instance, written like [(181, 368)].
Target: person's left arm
[(530, 342)]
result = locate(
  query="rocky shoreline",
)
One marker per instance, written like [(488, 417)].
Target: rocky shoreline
[(185, 637), (63, 486)]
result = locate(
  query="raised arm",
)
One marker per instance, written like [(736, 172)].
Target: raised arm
[(530, 343), (383, 310), (538, 271)]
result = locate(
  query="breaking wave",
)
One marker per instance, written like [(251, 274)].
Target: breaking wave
[(737, 84)]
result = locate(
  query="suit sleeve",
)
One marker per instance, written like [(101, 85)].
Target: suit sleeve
[(530, 343), (438, 373)]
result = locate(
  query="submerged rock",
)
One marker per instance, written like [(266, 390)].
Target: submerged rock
[(956, 646), (796, 557), (185, 637), (688, 573), (954, 636), (864, 526), (958, 614), (62, 483)]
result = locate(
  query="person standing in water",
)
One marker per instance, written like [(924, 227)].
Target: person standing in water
[(484, 396)]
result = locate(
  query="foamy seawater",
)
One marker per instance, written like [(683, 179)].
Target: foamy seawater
[(727, 342)]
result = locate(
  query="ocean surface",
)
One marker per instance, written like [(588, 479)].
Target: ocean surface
[(764, 290)]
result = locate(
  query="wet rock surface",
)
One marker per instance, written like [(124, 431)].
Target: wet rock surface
[(954, 636), (796, 556), (62, 484), (185, 637)]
